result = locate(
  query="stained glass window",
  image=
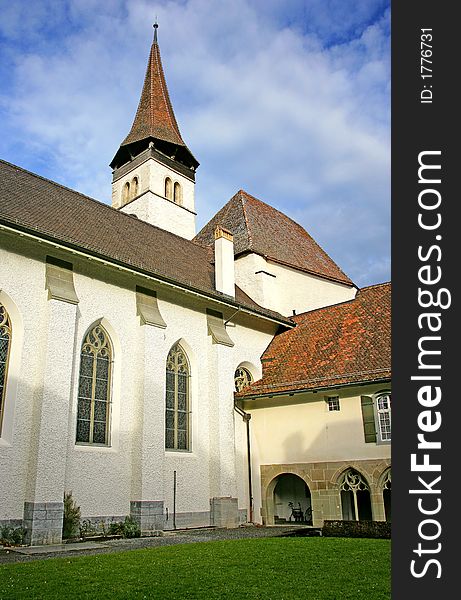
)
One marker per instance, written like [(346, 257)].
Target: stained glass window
[(5, 343), (177, 403), (93, 407), (242, 378)]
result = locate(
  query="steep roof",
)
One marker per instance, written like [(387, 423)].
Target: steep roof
[(49, 210), (154, 118), (259, 228), (341, 344)]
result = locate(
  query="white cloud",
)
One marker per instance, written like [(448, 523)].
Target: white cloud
[(293, 107)]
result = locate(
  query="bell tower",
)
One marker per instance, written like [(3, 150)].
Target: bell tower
[(153, 170)]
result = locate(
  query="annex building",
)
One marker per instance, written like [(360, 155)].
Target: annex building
[(186, 379)]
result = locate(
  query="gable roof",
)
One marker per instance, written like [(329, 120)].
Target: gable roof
[(336, 345), (260, 228), (47, 209)]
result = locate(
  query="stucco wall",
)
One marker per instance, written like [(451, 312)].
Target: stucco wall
[(134, 466), (284, 289)]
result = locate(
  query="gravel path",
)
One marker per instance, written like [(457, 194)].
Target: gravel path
[(27, 554)]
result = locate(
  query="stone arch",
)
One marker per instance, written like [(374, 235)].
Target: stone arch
[(284, 488), (384, 487), (355, 495)]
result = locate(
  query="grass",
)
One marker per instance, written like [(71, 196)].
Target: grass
[(269, 569)]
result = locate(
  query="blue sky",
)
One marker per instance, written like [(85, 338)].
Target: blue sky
[(288, 100)]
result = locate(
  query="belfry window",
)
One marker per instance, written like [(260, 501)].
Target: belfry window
[(242, 378), (177, 193), (5, 343), (126, 192), (355, 497), (94, 388), (134, 187), (168, 189), (177, 413)]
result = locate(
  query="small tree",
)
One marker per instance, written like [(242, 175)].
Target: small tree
[(71, 521)]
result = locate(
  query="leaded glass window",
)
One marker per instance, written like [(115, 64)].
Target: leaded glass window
[(177, 413), (94, 388), (383, 408), (5, 343), (242, 378)]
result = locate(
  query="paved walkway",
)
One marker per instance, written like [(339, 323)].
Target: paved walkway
[(28, 553)]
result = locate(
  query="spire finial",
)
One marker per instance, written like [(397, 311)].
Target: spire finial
[(155, 30)]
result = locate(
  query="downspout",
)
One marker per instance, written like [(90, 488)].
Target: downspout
[(246, 417)]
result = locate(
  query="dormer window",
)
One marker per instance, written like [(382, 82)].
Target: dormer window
[(177, 193), (168, 189)]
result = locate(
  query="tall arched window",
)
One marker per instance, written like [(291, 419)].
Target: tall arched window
[(355, 497), (168, 189), (177, 193), (126, 192), (177, 416), (5, 344), (242, 378), (94, 388), (134, 187)]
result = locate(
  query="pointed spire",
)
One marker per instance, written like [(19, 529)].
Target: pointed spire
[(154, 117)]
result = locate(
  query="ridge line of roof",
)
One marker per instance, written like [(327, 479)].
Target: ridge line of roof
[(242, 195)]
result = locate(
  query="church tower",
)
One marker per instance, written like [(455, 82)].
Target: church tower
[(154, 170)]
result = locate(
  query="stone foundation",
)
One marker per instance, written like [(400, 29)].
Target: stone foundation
[(148, 514), (224, 512), (43, 522)]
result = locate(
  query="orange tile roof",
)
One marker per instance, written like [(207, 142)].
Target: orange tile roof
[(332, 346), (260, 228)]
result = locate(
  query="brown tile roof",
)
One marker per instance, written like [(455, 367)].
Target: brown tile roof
[(155, 116), (31, 203), (259, 228), (341, 344)]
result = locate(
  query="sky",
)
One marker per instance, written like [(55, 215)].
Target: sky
[(286, 99)]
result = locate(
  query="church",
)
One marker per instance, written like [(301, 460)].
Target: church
[(230, 376)]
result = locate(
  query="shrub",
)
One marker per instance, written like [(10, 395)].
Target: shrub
[(87, 528), (71, 520), (130, 528), (12, 536), (357, 529)]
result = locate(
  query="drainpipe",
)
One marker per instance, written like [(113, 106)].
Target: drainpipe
[(246, 417)]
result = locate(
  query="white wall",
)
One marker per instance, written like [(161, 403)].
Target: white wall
[(284, 289), (104, 479)]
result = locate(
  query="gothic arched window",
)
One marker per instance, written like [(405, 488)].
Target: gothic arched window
[(94, 388), (387, 485), (5, 344), (177, 193), (168, 189), (177, 413), (242, 378), (355, 497)]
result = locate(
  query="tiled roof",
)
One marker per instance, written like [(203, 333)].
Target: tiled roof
[(31, 203), (336, 345), (259, 228), (155, 116)]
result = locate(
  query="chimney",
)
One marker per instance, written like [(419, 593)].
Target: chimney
[(224, 261)]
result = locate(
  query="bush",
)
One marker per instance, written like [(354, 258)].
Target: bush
[(71, 521), (12, 536), (357, 529)]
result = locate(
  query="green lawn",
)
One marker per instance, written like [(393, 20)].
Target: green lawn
[(269, 569)]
